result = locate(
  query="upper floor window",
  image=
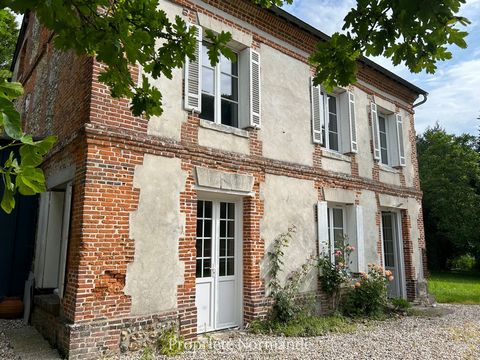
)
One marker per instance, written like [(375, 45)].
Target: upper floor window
[(333, 119), (220, 88), (228, 93), (388, 140), (331, 130)]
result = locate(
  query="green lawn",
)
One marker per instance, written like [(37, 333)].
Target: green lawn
[(455, 288)]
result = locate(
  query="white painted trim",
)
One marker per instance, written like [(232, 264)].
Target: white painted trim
[(222, 192)]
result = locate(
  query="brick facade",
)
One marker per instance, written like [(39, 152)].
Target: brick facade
[(105, 143)]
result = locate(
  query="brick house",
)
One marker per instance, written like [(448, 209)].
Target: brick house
[(149, 224)]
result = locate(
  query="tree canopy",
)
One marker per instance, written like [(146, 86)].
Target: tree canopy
[(8, 37), (125, 33), (449, 169)]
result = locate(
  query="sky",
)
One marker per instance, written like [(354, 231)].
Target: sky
[(454, 90)]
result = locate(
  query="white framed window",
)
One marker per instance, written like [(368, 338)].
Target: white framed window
[(229, 93), (330, 128), (220, 89), (387, 134), (334, 119), (336, 229), (384, 130)]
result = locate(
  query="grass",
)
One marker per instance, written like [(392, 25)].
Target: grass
[(305, 326), (455, 287)]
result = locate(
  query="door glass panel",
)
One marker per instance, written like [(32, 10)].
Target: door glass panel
[(388, 240), (227, 239), (204, 239)]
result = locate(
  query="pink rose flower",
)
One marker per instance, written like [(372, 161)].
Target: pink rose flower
[(338, 253), (390, 278), (357, 285)]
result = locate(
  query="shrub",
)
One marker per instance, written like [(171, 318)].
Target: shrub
[(368, 295), (286, 302), (169, 343), (463, 263)]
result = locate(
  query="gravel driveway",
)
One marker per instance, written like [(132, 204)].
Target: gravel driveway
[(455, 335)]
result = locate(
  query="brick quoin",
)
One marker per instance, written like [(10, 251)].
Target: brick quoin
[(105, 143)]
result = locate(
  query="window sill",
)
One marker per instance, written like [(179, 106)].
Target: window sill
[(335, 155), (224, 128), (388, 168)]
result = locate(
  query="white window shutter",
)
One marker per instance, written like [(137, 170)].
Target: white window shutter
[(375, 132), (255, 90), (318, 113), (352, 122), (322, 227), (360, 248), (193, 77), (401, 146)]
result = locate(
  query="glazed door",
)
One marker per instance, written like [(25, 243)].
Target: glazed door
[(391, 253), (217, 265)]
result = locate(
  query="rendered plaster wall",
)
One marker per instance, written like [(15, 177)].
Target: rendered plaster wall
[(371, 230), (222, 141), (169, 124), (414, 209), (156, 227), (389, 176), (289, 201), (409, 135), (336, 165), (364, 134), (286, 125)]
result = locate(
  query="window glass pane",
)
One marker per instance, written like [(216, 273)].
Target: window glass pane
[(199, 248), (333, 141), (333, 123), (332, 105), (222, 267), (223, 210), (207, 271), (207, 248), (231, 247), (381, 124), (208, 209), (223, 228), (223, 247), (199, 209), (231, 211), (229, 113), (384, 156), (199, 228), (205, 58), (198, 271), (338, 236), (229, 87), (208, 81), (231, 229), (338, 218), (230, 266), (208, 107), (207, 228), (227, 66)]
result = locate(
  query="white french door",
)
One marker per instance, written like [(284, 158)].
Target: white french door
[(218, 265), (392, 253)]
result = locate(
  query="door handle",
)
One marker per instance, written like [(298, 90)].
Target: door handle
[(213, 271)]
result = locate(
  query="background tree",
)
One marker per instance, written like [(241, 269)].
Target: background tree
[(125, 33), (450, 179), (8, 37)]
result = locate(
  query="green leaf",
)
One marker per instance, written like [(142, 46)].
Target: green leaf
[(8, 198), (30, 181), (32, 154)]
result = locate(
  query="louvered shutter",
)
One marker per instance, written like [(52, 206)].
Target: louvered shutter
[(65, 235), (318, 115), (360, 245), (255, 90), (401, 147), (352, 122), (375, 132), (193, 78), (322, 228)]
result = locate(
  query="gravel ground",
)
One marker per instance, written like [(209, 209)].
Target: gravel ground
[(5, 349), (455, 335)]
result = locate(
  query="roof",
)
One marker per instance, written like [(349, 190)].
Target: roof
[(314, 31)]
